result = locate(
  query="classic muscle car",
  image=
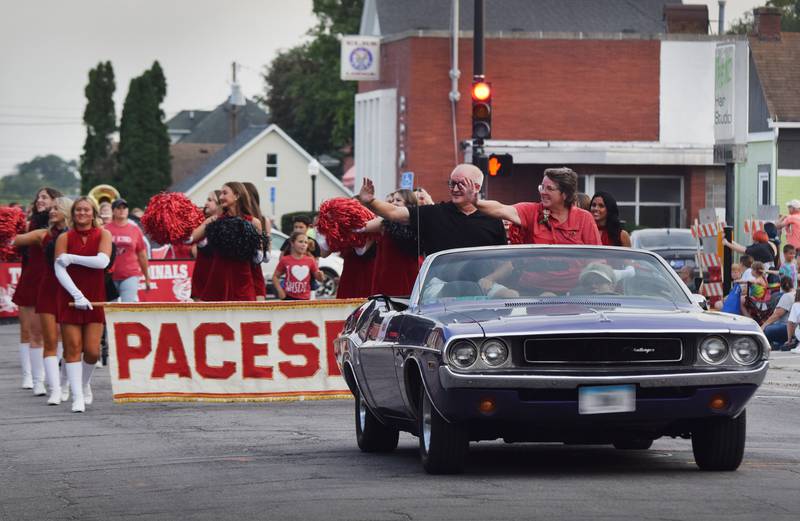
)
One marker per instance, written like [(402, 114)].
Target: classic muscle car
[(573, 344)]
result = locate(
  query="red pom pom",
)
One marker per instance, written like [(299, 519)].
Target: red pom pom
[(514, 233), (12, 223), (170, 218), (338, 218)]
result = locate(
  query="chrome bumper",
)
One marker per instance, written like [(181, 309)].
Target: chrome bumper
[(452, 380)]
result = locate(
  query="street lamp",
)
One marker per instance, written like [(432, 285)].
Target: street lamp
[(313, 171)]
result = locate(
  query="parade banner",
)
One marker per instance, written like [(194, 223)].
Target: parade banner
[(9, 275), (170, 281), (226, 351)]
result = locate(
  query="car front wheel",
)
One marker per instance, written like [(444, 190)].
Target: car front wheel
[(371, 434), (718, 443), (443, 446)]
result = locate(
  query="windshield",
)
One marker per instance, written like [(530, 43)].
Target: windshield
[(675, 239), (513, 273)]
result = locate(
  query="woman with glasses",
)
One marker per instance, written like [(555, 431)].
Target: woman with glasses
[(554, 220)]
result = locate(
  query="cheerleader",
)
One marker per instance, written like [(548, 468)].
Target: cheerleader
[(30, 349), (232, 278), (258, 275), (203, 255), (397, 258), (81, 256), (45, 303), (357, 271)]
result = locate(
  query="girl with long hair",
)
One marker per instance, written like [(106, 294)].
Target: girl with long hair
[(231, 276), (396, 258), (605, 211), (31, 350), (81, 255), (255, 210), (204, 255)]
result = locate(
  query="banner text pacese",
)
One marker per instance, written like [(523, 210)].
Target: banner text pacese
[(252, 350)]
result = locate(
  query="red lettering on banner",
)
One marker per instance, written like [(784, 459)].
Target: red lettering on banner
[(201, 333), (127, 352), (332, 330), (251, 349), (287, 344), (170, 343)]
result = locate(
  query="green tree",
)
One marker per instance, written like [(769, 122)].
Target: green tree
[(97, 161), (790, 18), (144, 168), (303, 91), (50, 170)]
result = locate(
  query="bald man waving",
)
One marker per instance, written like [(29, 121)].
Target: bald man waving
[(443, 226)]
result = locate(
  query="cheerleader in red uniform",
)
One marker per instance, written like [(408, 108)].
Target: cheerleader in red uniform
[(30, 349), (203, 255), (258, 275), (357, 271), (231, 277), (397, 258), (81, 256), (45, 303)]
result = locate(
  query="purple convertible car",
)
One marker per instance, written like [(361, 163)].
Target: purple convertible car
[(573, 344)]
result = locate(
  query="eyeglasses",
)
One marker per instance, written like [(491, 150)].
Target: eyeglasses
[(551, 189), (452, 184)]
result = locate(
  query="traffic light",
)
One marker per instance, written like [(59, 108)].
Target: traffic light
[(481, 110), (500, 165)]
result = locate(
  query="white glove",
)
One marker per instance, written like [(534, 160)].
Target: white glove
[(322, 241), (83, 303), (66, 282), (258, 258), (64, 260), (99, 261)]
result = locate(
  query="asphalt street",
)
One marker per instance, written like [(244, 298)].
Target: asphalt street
[(299, 461)]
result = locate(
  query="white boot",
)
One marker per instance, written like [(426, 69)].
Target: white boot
[(37, 370), (25, 361), (63, 363), (88, 369), (75, 377), (53, 377)]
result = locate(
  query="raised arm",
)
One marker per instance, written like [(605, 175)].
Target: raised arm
[(30, 238), (386, 210), (733, 245), (199, 233), (491, 208)]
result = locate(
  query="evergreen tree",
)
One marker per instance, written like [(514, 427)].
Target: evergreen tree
[(97, 162), (144, 160)]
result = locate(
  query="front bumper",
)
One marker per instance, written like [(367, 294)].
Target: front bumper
[(453, 380)]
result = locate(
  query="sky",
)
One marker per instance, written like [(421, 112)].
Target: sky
[(48, 46)]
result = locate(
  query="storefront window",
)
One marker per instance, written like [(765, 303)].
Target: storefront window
[(644, 201)]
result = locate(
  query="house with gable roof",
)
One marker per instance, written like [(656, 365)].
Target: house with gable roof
[(771, 174), (267, 157)]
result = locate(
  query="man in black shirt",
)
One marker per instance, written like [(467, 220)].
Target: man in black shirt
[(442, 226)]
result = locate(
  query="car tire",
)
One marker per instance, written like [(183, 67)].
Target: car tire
[(371, 434), (443, 446), (633, 444), (718, 443), (328, 286)]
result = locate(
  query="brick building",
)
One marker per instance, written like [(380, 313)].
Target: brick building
[(602, 87)]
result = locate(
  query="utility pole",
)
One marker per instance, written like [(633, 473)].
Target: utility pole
[(235, 101)]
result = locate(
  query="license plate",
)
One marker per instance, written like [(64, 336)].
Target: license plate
[(606, 399)]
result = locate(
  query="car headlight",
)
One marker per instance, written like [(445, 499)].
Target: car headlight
[(714, 350), (494, 352), (463, 353), (744, 350)]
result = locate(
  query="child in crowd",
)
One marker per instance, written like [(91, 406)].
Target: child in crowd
[(747, 262), (298, 268), (789, 268), (757, 290)]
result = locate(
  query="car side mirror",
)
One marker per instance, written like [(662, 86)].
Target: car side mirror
[(700, 300)]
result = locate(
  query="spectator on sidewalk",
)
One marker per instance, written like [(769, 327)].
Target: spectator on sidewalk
[(775, 326), (792, 223)]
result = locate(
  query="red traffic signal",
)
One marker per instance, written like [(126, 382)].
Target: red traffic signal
[(481, 110), (500, 165)]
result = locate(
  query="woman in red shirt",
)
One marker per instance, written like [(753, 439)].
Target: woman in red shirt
[(230, 278), (204, 255), (30, 348), (81, 256), (606, 215), (298, 268)]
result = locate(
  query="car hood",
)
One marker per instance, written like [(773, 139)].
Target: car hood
[(566, 318)]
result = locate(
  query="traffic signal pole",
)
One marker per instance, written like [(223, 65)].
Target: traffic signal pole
[(478, 75)]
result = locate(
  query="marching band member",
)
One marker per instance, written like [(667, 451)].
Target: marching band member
[(30, 349), (81, 256)]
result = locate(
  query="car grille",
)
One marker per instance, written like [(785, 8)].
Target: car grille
[(603, 350)]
